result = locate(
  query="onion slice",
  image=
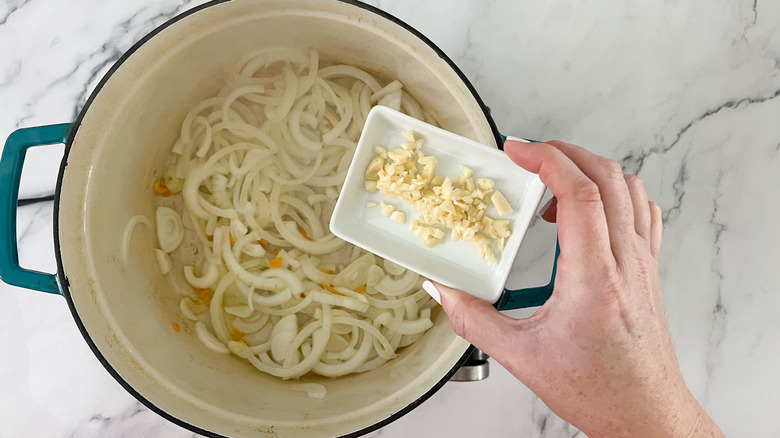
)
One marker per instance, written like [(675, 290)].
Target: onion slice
[(170, 231), (163, 261), (260, 167)]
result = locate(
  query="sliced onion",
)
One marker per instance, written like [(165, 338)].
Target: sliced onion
[(313, 273), (249, 327), (262, 281), (313, 390), (209, 340), (163, 261), (282, 336), (335, 300), (350, 365), (241, 311), (262, 164), (128, 232), (392, 268), (388, 89), (356, 273), (392, 100), (348, 70), (206, 280), (306, 302), (186, 310), (272, 300), (395, 287)]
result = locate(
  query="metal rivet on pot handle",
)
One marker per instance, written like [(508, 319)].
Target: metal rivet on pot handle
[(11, 164)]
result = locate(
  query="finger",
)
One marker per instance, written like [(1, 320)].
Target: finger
[(478, 322), (656, 228), (549, 210), (582, 226), (639, 200), (613, 191)]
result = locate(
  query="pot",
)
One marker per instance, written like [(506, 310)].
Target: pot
[(119, 144)]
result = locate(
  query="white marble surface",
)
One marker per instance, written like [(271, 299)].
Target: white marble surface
[(684, 93)]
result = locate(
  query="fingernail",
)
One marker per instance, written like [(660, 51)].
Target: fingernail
[(518, 139), (432, 291), (545, 207)]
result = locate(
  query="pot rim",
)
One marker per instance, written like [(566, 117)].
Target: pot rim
[(65, 284)]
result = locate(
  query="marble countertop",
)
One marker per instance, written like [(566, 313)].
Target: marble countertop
[(684, 94)]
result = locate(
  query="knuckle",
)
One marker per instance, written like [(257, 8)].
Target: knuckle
[(465, 321), (612, 168), (612, 277), (632, 179), (586, 190), (634, 182), (655, 209), (613, 285)]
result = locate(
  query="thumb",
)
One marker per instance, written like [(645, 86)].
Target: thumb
[(476, 320)]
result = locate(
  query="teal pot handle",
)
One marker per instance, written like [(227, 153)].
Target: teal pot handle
[(10, 173), (532, 296)]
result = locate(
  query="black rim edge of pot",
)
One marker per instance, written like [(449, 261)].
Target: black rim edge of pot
[(71, 136)]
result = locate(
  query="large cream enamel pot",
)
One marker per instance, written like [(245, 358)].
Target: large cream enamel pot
[(119, 145)]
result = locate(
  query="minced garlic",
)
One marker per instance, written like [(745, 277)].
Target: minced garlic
[(460, 206), (503, 207), (398, 217), (386, 209)]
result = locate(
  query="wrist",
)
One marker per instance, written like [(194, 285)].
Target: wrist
[(703, 426), (672, 417)]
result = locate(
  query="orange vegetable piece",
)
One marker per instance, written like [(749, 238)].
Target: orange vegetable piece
[(176, 327), (263, 243), (360, 289), (303, 232), (232, 240), (325, 270), (275, 262), (160, 188), (330, 289), (204, 294), (236, 335), (276, 251)]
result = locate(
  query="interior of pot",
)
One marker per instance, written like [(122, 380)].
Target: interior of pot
[(122, 146)]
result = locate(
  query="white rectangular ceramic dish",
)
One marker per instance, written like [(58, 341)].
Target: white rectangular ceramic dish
[(453, 263)]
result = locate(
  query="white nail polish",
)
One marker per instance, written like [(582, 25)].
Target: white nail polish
[(432, 291), (521, 140)]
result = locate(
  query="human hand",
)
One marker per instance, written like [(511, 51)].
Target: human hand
[(598, 353)]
